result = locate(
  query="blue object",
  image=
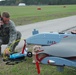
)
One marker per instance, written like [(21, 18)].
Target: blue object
[(59, 61), (35, 32), (46, 39), (16, 55), (60, 48)]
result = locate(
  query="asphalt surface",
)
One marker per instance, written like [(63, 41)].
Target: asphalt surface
[(56, 25)]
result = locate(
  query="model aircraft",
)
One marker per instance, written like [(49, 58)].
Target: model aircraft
[(58, 49)]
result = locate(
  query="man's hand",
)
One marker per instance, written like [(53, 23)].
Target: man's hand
[(6, 54), (7, 51)]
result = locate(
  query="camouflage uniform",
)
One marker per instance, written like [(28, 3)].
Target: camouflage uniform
[(9, 35)]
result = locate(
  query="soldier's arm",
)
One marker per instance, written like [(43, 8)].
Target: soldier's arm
[(12, 34)]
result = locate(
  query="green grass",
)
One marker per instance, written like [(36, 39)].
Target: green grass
[(30, 14), (27, 68)]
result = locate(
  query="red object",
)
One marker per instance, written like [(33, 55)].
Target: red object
[(39, 8), (23, 48), (40, 59), (38, 67)]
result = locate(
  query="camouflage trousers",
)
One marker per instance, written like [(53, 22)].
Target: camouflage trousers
[(5, 40)]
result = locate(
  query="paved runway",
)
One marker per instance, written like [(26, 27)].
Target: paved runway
[(56, 25)]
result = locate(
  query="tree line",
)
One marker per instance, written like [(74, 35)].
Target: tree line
[(38, 2)]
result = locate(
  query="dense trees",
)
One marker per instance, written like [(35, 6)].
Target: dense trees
[(38, 2)]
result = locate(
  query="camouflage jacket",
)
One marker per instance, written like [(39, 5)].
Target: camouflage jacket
[(9, 30)]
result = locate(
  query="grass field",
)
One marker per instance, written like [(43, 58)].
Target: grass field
[(27, 68), (30, 14), (27, 15)]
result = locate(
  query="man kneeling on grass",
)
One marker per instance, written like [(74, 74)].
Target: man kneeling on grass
[(8, 33)]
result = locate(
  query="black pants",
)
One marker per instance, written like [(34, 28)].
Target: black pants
[(5, 40)]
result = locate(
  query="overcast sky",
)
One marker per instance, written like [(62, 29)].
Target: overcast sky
[(2, 0)]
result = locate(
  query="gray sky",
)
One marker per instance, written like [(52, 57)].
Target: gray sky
[(2, 0)]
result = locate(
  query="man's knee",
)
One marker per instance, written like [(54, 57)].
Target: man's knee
[(16, 41), (18, 38), (18, 35)]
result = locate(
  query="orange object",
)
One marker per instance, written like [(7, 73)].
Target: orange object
[(38, 8)]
